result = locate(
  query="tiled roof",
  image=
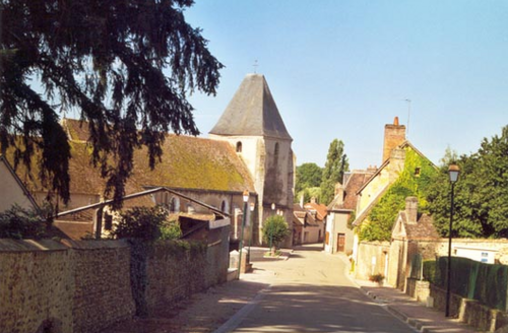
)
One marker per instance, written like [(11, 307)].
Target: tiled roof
[(252, 111), (319, 208), (424, 229), (354, 182), (187, 162)]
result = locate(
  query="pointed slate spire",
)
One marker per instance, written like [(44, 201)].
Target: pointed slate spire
[(252, 112)]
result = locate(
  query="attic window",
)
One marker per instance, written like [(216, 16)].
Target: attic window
[(417, 172), (108, 221), (238, 147)]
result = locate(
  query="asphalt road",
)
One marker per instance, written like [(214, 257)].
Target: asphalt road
[(311, 292)]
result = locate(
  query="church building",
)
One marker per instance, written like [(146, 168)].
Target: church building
[(253, 126)]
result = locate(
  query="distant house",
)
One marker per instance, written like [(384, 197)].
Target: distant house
[(341, 212), (400, 157), (308, 223), (14, 191)]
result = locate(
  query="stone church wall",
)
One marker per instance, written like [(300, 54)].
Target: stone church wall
[(86, 286)]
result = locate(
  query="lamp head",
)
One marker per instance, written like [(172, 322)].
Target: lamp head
[(453, 172), (251, 206), (245, 196)]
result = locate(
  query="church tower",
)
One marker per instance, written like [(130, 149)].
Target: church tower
[(253, 126)]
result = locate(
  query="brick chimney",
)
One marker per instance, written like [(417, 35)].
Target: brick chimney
[(395, 135), (412, 209)]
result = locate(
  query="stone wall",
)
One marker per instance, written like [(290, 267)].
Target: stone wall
[(371, 259), (469, 311), (36, 287), (419, 290), (85, 286), (102, 294)]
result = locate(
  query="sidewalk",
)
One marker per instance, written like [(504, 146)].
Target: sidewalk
[(416, 314)]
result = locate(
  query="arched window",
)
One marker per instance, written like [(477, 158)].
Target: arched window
[(276, 153), (224, 206), (175, 205), (239, 147)]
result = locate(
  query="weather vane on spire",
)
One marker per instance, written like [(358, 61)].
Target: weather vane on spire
[(255, 66)]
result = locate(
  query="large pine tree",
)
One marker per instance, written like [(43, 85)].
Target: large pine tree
[(125, 65)]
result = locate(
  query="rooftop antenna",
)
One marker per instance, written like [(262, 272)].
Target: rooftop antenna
[(408, 101), (255, 66)]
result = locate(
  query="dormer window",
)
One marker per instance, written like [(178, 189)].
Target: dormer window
[(238, 147), (417, 172)]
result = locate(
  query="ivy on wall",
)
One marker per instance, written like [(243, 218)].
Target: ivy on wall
[(414, 180)]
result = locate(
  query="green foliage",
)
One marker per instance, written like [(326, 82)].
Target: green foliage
[(379, 223), (429, 271), (19, 223), (480, 196), (275, 230), (307, 175), (126, 66), (142, 223), (308, 194), (170, 231), (336, 165)]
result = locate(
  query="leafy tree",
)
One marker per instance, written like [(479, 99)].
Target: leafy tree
[(481, 193), (275, 229), (141, 222), (308, 175), (19, 223), (336, 165), (125, 65)]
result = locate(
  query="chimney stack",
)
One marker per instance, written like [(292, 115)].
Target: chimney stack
[(412, 209), (395, 135)]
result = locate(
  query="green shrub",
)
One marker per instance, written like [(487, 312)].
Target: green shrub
[(170, 230), (141, 222), (275, 229), (19, 223), (429, 271)]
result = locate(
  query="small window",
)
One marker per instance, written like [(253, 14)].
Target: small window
[(108, 221), (417, 172), (174, 207), (224, 206), (238, 147)]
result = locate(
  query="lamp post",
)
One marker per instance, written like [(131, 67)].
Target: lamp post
[(245, 201), (251, 206), (453, 173), (271, 231)]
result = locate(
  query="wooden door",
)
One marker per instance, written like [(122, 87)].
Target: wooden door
[(341, 242)]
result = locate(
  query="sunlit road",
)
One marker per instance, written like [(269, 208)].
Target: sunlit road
[(311, 293)]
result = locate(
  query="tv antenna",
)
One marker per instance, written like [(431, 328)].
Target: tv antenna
[(408, 101)]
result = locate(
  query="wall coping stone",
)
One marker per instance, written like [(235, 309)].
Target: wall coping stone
[(30, 245)]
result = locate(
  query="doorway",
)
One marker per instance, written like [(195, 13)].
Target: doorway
[(341, 242)]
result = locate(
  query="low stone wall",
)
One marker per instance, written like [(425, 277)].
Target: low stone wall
[(371, 259), (86, 286), (469, 311), (419, 290)]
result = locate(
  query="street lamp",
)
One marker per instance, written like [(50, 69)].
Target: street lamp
[(453, 173), (245, 201), (271, 230), (251, 206)]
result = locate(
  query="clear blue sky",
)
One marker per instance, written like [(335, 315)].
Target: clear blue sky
[(342, 69)]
